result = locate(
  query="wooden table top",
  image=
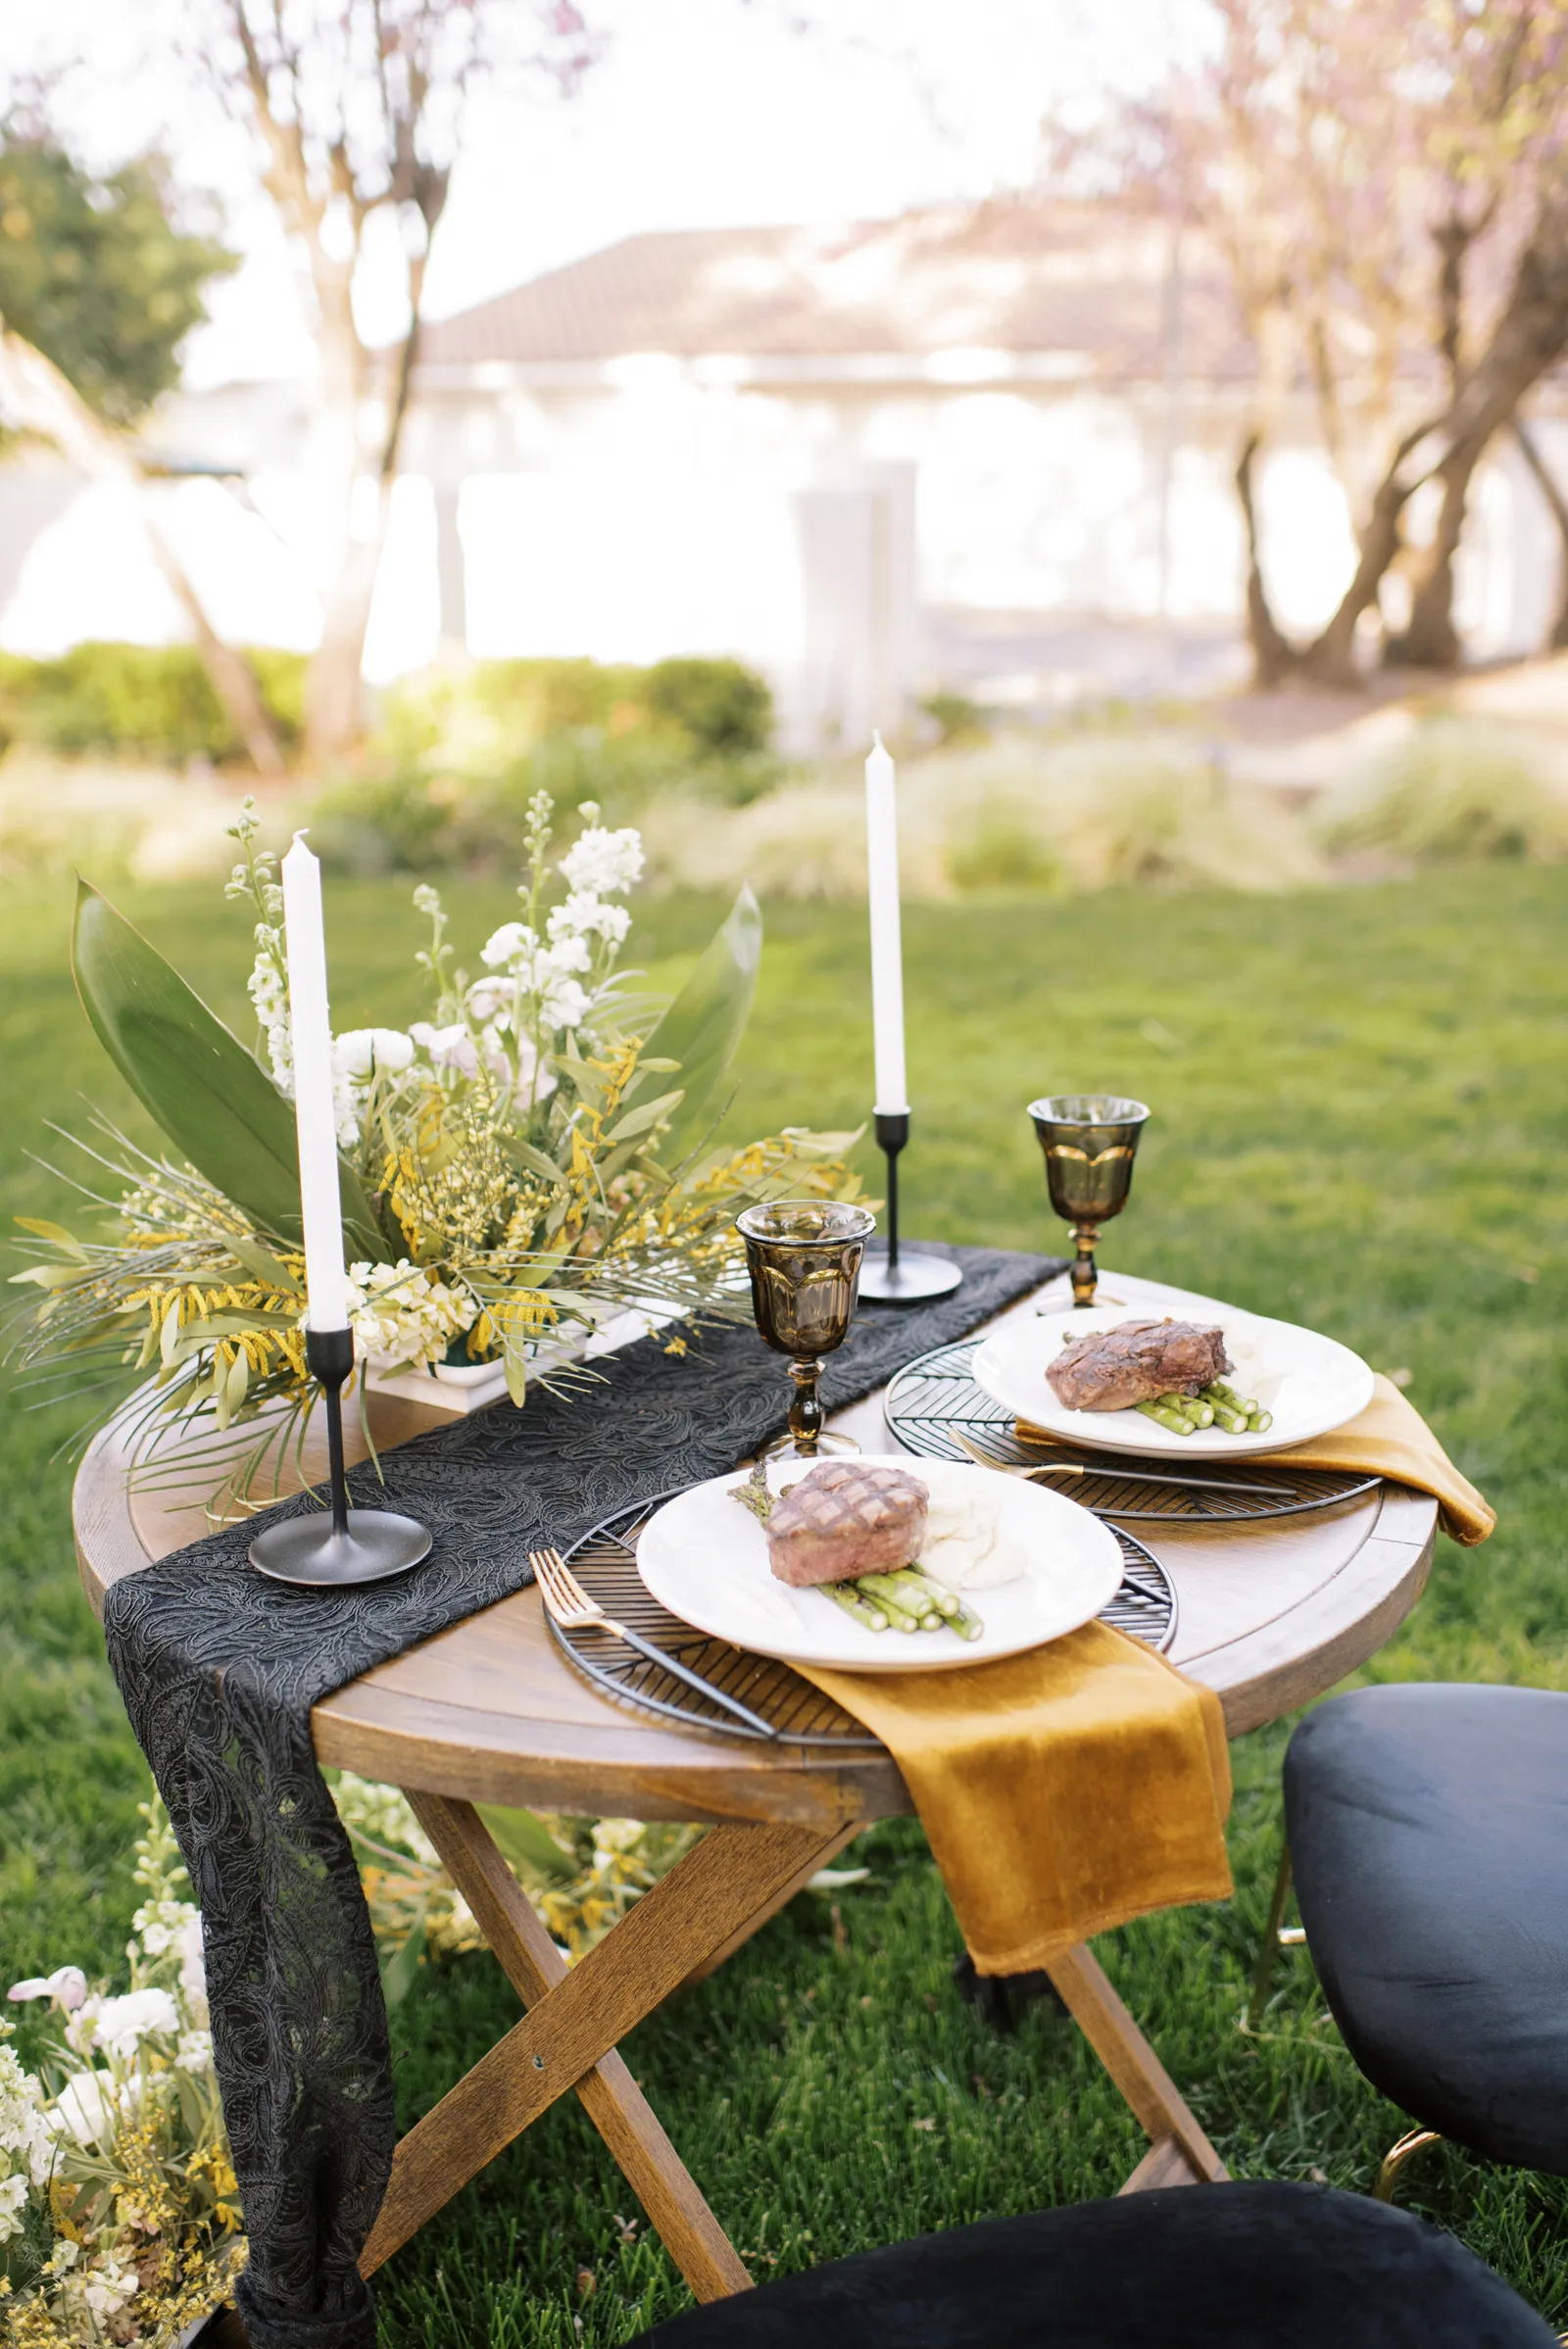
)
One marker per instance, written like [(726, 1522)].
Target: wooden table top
[(1270, 1616)]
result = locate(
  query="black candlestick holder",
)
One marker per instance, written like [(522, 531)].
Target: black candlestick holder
[(894, 1278), (326, 1551)]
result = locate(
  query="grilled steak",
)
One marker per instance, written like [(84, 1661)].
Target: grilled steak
[(844, 1518), (1108, 1370)]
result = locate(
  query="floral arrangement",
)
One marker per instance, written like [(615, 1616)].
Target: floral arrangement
[(531, 1161), (118, 2219), (118, 2216)]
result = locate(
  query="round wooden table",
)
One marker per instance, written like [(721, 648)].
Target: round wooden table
[(1270, 1616)]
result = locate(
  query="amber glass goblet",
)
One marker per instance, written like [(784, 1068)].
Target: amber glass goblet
[(804, 1257), (1090, 1140)]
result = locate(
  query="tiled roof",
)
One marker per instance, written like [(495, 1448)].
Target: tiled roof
[(1016, 276)]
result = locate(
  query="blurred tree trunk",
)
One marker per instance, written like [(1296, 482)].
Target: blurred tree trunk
[(1529, 337), (35, 397), (1530, 450)]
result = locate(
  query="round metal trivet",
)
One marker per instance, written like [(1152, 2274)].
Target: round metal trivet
[(934, 1400), (604, 1562)]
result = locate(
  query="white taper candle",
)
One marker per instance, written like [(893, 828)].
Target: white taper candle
[(311, 1031), (887, 954)]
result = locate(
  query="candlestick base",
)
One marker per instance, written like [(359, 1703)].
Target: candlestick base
[(310, 1550), (907, 1280)]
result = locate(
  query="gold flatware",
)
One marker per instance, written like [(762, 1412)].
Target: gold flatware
[(1141, 1476), (571, 1608)]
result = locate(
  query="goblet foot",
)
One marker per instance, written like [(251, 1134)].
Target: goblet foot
[(816, 1447), (1083, 1271)]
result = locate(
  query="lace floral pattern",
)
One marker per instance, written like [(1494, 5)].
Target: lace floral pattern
[(219, 1668)]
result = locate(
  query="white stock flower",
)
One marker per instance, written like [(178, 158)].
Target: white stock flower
[(195, 2051), (563, 1004), (601, 861), (272, 1013), (364, 1052), (584, 915), (124, 2023), (161, 1923), (68, 1983), (403, 1316), (447, 1048), (23, 2135), (193, 1969), (13, 2196), (503, 944)]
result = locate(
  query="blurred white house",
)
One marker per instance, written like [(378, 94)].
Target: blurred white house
[(985, 448)]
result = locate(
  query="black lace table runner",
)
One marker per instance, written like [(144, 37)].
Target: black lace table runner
[(219, 1668)]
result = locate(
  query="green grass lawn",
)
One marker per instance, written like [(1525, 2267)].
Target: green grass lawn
[(1360, 1122)]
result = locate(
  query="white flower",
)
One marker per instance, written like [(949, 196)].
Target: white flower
[(563, 1004), (86, 2108), (124, 2023), (503, 944), (364, 1052), (601, 861), (585, 915), (107, 2289), (68, 1983), (193, 1969), (447, 1048), (195, 2051), (533, 1084), (487, 997), (402, 1315), (161, 1923), (23, 2129), (13, 2195)]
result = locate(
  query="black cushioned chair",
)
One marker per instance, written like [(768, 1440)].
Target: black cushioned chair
[(1225, 2266), (1428, 1833)]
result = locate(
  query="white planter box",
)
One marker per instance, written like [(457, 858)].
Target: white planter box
[(469, 1385)]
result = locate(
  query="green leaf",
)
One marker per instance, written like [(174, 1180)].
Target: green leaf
[(524, 1153), (704, 1025), (398, 1973), (638, 1121), (514, 1359), (526, 1841), (217, 1108), (259, 1263), (56, 1232)]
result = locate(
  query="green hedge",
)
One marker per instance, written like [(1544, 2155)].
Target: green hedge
[(156, 700)]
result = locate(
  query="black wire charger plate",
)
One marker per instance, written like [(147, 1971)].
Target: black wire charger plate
[(604, 1562), (935, 1397)]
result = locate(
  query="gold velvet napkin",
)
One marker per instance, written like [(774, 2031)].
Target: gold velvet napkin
[(1391, 1439), (1062, 1791)]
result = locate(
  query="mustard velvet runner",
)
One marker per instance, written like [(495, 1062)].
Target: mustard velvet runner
[(1061, 1792), (1391, 1439)]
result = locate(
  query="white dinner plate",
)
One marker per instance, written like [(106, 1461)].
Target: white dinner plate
[(704, 1557), (1310, 1383)]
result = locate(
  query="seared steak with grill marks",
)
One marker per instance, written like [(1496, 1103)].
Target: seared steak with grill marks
[(1108, 1370), (844, 1518)]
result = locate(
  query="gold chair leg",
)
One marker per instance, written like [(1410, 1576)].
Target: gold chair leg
[(1395, 2160), (1273, 1942)]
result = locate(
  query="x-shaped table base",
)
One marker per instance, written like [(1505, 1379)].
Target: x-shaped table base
[(736, 1877)]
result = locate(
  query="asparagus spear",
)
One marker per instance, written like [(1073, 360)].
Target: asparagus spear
[(938, 1593), (1165, 1415), (1191, 1407), (967, 1623), (1259, 1421), (901, 1590), (846, 1596)]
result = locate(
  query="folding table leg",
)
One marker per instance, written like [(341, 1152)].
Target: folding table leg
[(1179, 2154), (568, 2039)]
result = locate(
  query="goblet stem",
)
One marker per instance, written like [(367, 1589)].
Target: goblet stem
[(805, 1411), (1084, 1274)]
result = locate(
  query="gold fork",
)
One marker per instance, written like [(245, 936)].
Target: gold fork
[(572, 1610)]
